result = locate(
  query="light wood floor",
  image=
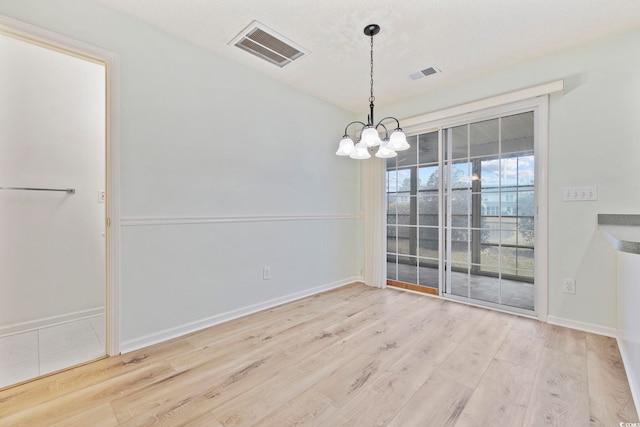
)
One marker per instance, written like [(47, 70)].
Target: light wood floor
[(355, 356)]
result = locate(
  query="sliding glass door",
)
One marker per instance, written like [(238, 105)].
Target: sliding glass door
[(461, 212), (489, 195), (413, 215)]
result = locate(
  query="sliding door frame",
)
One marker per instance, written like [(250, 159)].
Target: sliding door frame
[(539, 106), (531, 99)]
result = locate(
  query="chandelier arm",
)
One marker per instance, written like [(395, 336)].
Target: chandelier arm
[(392, 118), (386, 131), (357, 121)]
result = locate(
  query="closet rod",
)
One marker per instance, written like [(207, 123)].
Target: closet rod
[(66, 190)]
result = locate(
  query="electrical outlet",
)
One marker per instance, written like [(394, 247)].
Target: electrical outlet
[(569, 286), (266, 273)]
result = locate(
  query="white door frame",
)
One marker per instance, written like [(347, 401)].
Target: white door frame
[(50, 40)]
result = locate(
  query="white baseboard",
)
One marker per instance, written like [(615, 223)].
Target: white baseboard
[(188, 328), (583, 326), (45, 322), (632, 376)]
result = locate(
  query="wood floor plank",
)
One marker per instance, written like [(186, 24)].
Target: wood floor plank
[(205, 420), (472, 357), (310, 409), (100, 416), (559, 395), (609, 393), (353, 356), (391, 390), (439, 402), (87, 399), (53, 387), (501, 398), (567, 340), (262, 400), (521, 348)]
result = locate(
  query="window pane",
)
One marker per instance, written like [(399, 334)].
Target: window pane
[(404, 180), (509, 231), (428, 148), (526, 238), (392, 268), (428, 178), (508, 203), (484, 138), (392, 200), (428, 209), (407, 240), (517, 132), (509, 172), (391, 163), (392, 181), (461, 175), (404, 208), (409, 157), (391, 240), (490, 204), (508, 257), (461, 202), (428, 272), (526, 203), (460, 251), (490, 174), (490, 233), (408, 269), (526, 170), (428, 243), (460, 280), (525, 262), (458, 136), (489, 255)]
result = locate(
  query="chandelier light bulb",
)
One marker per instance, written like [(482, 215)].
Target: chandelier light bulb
[(360, 152), (385, 151), (346, 146), (398, 140), (370, 137)]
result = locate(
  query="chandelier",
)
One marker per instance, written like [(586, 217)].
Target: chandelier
[(369, 136)]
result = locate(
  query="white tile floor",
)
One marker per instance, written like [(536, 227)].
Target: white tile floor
[(34, 353)]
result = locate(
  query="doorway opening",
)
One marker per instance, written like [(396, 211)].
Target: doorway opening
[(57, 199)]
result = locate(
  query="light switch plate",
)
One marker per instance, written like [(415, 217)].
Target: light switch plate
[(579, 194)]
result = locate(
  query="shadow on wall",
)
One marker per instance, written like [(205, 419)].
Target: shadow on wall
[(595, 281)]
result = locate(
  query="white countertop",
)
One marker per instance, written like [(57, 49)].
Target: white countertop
[(625, 238)]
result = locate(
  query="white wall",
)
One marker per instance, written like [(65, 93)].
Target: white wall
[(205, 144), (629, 318), (52, 135), (593, 140)]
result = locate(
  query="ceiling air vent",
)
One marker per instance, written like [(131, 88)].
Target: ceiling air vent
[(423, 73), (268, 45)]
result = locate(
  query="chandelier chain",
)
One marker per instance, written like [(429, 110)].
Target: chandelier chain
[(372, 98)]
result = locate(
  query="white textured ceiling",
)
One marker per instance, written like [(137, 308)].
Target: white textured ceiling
[(463, 38)]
